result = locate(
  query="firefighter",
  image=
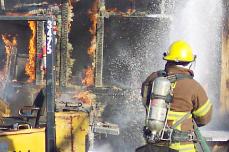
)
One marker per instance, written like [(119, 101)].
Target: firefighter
[(188, 100)]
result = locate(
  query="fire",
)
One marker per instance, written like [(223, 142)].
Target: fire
[(30, 66), (115, 11), (85, 97), (93, 14), (89, 76), (91, 50), (88, 80), (9, 43), (70, 12)]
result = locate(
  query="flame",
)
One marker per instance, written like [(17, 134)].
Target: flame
[(9, 44), (115, 11), (91, 50), (30, 66), (85, 97), (89, 76), (70, 12), (93, 14), (88, 79)]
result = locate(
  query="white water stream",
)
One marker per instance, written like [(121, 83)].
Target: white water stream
[(199, 22)]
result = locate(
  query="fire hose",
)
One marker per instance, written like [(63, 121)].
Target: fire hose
[(200, 138)]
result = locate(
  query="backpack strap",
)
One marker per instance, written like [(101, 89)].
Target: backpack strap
[(173, 78), (161, 73)]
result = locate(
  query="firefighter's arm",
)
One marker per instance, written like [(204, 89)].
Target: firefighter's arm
[(202, 111), (146, 88)]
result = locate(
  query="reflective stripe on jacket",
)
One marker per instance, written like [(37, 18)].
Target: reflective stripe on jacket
[(181, 147)]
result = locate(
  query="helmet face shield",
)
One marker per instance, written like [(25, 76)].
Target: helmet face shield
[(179, 51)]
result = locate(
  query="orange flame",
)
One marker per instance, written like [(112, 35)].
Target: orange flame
[(88, 80), (93, 14), (118, 12), (9, 43), (86, 97), (91, 50), (30, 66), (70, 12), (89, 76)]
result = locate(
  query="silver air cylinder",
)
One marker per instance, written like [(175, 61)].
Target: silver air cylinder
[(158, 107)]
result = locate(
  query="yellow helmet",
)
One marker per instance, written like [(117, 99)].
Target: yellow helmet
[(179, 51)]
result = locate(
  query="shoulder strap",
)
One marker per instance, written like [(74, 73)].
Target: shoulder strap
[(183, 76), (175, 77), (161, 73)]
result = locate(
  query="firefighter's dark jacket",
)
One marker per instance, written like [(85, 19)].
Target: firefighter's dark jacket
[(188, 96)]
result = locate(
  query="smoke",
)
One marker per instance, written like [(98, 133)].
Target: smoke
[(132, 51), (104, 148), (199, 22)]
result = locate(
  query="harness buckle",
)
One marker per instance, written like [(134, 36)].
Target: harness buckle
[(191, 137), (182, 136)]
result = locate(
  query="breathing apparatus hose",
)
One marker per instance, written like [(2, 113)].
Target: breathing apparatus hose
[(200, 138)]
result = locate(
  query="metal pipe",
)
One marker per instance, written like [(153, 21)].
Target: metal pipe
[(99, 45), (24, 18), (50, 88), (40, 29), (64, 45)]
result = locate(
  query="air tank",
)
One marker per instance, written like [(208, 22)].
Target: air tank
[(158, 106)]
